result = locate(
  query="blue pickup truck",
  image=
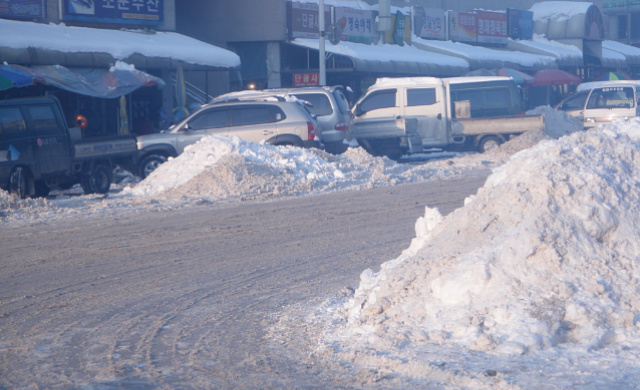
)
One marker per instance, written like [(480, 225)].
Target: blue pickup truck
[(38, 151)]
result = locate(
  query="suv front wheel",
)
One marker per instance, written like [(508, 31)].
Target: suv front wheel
[(150, 163)]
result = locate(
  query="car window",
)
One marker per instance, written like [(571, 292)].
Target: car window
[(41, 119), (575, 102), (611, 97), (421, 96), (252, 115), (320, 103), (11, 122), (209, 119), (379, 99)]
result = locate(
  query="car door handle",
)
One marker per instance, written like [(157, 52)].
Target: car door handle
[(265, 132)]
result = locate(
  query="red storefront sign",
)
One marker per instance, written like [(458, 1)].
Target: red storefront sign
[(306, 79)]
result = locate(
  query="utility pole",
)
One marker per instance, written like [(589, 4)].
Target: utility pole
[(323, 67)]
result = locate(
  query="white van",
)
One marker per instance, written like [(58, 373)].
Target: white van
[(602, 102)]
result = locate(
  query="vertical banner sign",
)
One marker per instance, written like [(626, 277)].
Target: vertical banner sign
[(303, 19), (462, 27), (116, 11), (520, 23), (398, 31), (23, 9), (433, 26), (357, 25), (492, 27)]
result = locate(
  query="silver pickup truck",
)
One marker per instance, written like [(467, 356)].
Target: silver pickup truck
[(400, 116)]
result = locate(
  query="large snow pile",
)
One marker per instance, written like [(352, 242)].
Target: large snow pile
[(545, 254), (222, 168)]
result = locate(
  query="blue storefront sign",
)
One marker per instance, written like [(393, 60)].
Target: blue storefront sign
[(116, 11), (23, 9), (520, 24)]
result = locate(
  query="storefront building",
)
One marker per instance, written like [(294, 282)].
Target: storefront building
[(116, 64), (279, 41)]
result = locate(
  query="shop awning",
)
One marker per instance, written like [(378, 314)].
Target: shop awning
[(566, 56), (48, 44), (392, 59), (119, 80), (631, 53), (484, 57)]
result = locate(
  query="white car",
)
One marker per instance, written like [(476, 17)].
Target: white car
[(274, 121)]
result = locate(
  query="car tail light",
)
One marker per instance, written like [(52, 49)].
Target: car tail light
[(311, 131), (344, 126)]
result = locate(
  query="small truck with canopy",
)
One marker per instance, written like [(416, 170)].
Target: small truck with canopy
[(39, 151)]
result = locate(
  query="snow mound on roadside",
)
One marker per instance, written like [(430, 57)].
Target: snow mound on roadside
[(546, 253), (223, 168), (10, 203)]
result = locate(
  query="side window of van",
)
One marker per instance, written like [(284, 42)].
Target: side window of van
[(253, 115), (42, 120), (574, 102), (379, 99), (11, 122), (421, 96)]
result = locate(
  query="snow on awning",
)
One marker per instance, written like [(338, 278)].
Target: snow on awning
[(631, 53), (49, 44), (567, 56), (119, 80), (484, 57), (613, 59), (392, 59)]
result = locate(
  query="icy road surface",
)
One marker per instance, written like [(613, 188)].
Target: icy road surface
[(187, 298)]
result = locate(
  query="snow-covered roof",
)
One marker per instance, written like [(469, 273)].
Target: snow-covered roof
[(558, 10), (631, 53), (565, 55), (117, 44), (392, 59), (484, 57)]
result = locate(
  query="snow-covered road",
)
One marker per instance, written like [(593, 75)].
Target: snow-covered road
[(189, 298)]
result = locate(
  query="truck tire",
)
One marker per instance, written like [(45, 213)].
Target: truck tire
[(97, 180), (488, 143), (150, 163), (389, 147), (336, 147), (41, 189), (20, 182)]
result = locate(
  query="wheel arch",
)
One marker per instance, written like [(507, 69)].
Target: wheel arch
[(286, 139)]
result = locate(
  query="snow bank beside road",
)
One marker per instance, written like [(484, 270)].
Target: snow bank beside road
[(542, 261), (221, 169)]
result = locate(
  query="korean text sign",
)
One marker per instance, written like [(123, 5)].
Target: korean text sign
[(116, 11)]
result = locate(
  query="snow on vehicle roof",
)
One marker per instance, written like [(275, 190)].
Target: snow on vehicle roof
[(406, 81)]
